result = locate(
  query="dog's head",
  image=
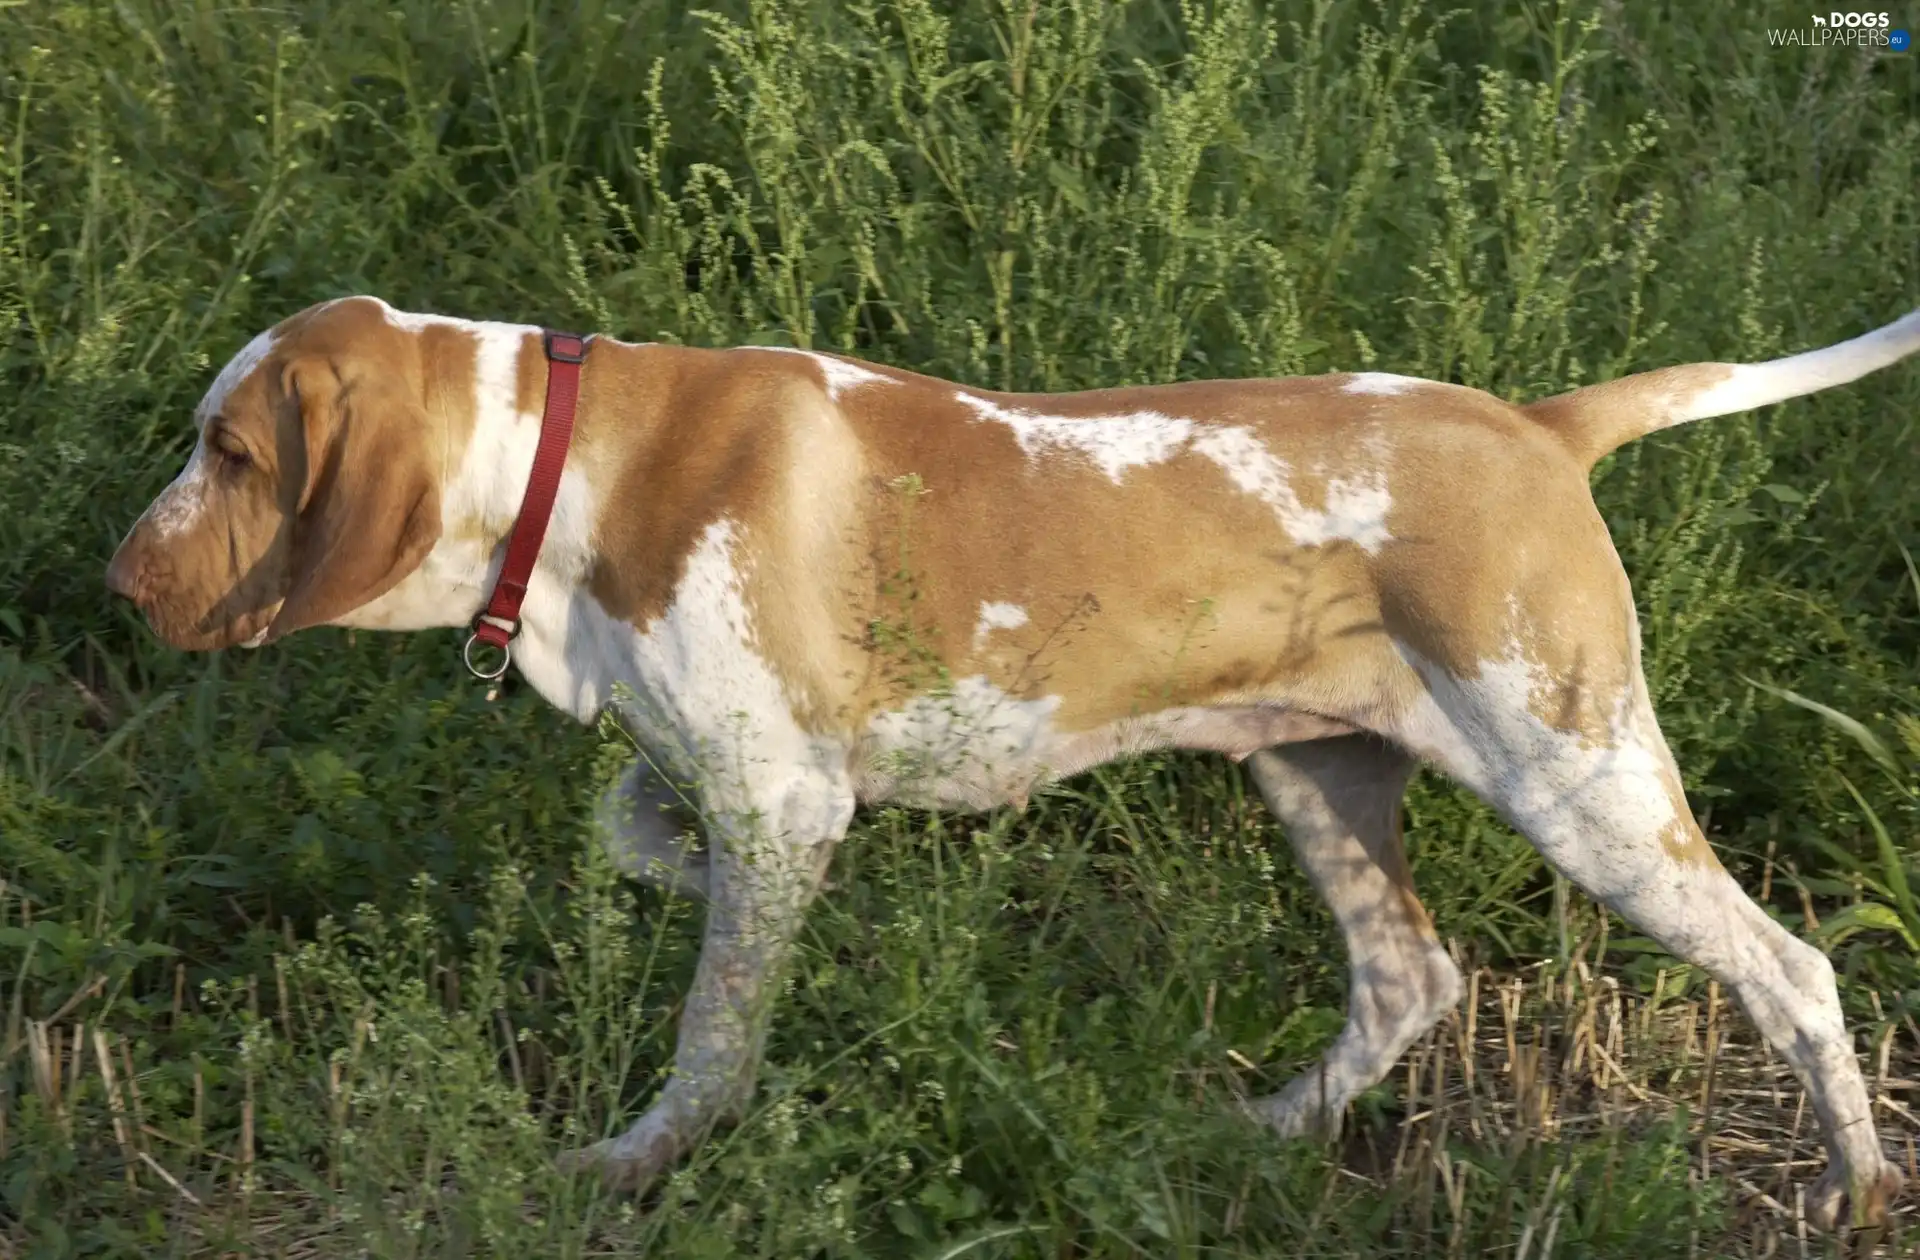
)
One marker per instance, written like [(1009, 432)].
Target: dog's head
[(313, 487)]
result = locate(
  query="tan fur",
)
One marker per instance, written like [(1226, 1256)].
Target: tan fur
[(1600, 419)]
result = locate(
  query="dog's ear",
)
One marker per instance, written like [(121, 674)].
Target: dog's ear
[(361, 503)]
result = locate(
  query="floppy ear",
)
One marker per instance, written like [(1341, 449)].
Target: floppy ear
[(367, 508)]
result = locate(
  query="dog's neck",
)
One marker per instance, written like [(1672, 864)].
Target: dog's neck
[(479, 402)]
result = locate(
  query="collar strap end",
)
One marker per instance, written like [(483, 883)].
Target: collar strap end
[(495, 631)]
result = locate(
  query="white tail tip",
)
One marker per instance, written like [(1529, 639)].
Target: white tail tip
[(1750, 385)]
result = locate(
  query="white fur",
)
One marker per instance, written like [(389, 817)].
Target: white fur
[(175, 509), (968, 745), (1383, 384), (974, 746), (1356, 507), (701, 660), (691, 685), (997, 616), (1545, 779), (1599, 810), (837, 375), (1115, 443), (694, 674), (408, 321), (481, 496), (774, 798), (238, 368), (1750, 385)]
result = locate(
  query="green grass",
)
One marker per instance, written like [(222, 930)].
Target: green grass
[(336, 914)]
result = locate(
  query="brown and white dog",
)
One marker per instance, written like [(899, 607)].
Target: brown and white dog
[(807, 581)]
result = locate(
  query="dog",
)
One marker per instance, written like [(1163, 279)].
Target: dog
[(1330, 578)]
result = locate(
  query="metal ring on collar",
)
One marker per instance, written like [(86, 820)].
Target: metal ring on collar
[(506, 659)]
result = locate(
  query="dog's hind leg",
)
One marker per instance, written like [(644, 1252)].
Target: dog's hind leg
[(1339, 801), (1576, 762)]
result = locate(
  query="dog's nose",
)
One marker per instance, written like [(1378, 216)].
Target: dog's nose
[(123, 575)]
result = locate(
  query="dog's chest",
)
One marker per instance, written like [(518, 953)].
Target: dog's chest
[(691, 685), (693, 690)]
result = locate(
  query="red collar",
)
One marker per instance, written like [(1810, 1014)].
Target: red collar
[(500, 622)]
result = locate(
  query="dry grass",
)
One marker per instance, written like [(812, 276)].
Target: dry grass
[(1542, 1058), (1547, 1057)]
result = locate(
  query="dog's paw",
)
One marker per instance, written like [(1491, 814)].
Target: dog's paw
[(1865, 1200), (628, 1164), (1297, 1111)]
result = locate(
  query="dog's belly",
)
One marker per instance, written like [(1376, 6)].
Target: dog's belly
[(975, 747)]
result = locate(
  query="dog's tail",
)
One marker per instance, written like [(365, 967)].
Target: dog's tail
[(1600, 419)]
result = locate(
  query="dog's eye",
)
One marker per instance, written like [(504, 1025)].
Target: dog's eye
[(232, 454)]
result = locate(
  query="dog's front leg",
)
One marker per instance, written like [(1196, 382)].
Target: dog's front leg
[(767, 856)]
